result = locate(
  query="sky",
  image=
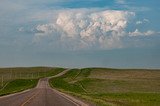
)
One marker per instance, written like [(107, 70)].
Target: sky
[(80, 33)]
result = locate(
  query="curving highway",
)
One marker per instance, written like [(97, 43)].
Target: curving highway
[(42, 95)]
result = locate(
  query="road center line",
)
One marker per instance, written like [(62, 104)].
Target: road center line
[(24, 103)]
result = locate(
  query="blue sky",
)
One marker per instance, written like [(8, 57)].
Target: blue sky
[(80, 33)]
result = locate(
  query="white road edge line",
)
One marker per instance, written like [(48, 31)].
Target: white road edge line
[(64, 95), (70, 98), (18, 93)]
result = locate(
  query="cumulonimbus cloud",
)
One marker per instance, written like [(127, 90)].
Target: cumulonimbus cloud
[(81, 29)]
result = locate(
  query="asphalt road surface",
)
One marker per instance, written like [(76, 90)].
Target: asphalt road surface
[(42, 95)]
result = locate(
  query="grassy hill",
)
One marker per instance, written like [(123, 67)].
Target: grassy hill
[(118, 87), (18, 79)]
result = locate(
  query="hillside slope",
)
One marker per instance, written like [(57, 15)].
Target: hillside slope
[(112, 86)]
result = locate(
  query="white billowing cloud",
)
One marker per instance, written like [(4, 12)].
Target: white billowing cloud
[(144, 21), (138, 33), (21, 29), (139, 22), (81, 29)]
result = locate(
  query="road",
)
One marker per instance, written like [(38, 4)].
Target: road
[(42, 95)]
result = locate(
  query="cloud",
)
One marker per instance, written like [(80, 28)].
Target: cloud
[(144, 21), (21, 29), (138, 33), (120, 1), (137, 8), (84, 28), (139, 22)]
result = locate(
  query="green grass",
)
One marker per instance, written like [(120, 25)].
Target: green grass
[(9, 74), (19, 79), (63, 82), (60, 83), (107, 87), (18, 85), (131, 99)]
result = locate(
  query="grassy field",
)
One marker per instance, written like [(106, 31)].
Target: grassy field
[(18, 79), (18, 85), (107, 87)]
